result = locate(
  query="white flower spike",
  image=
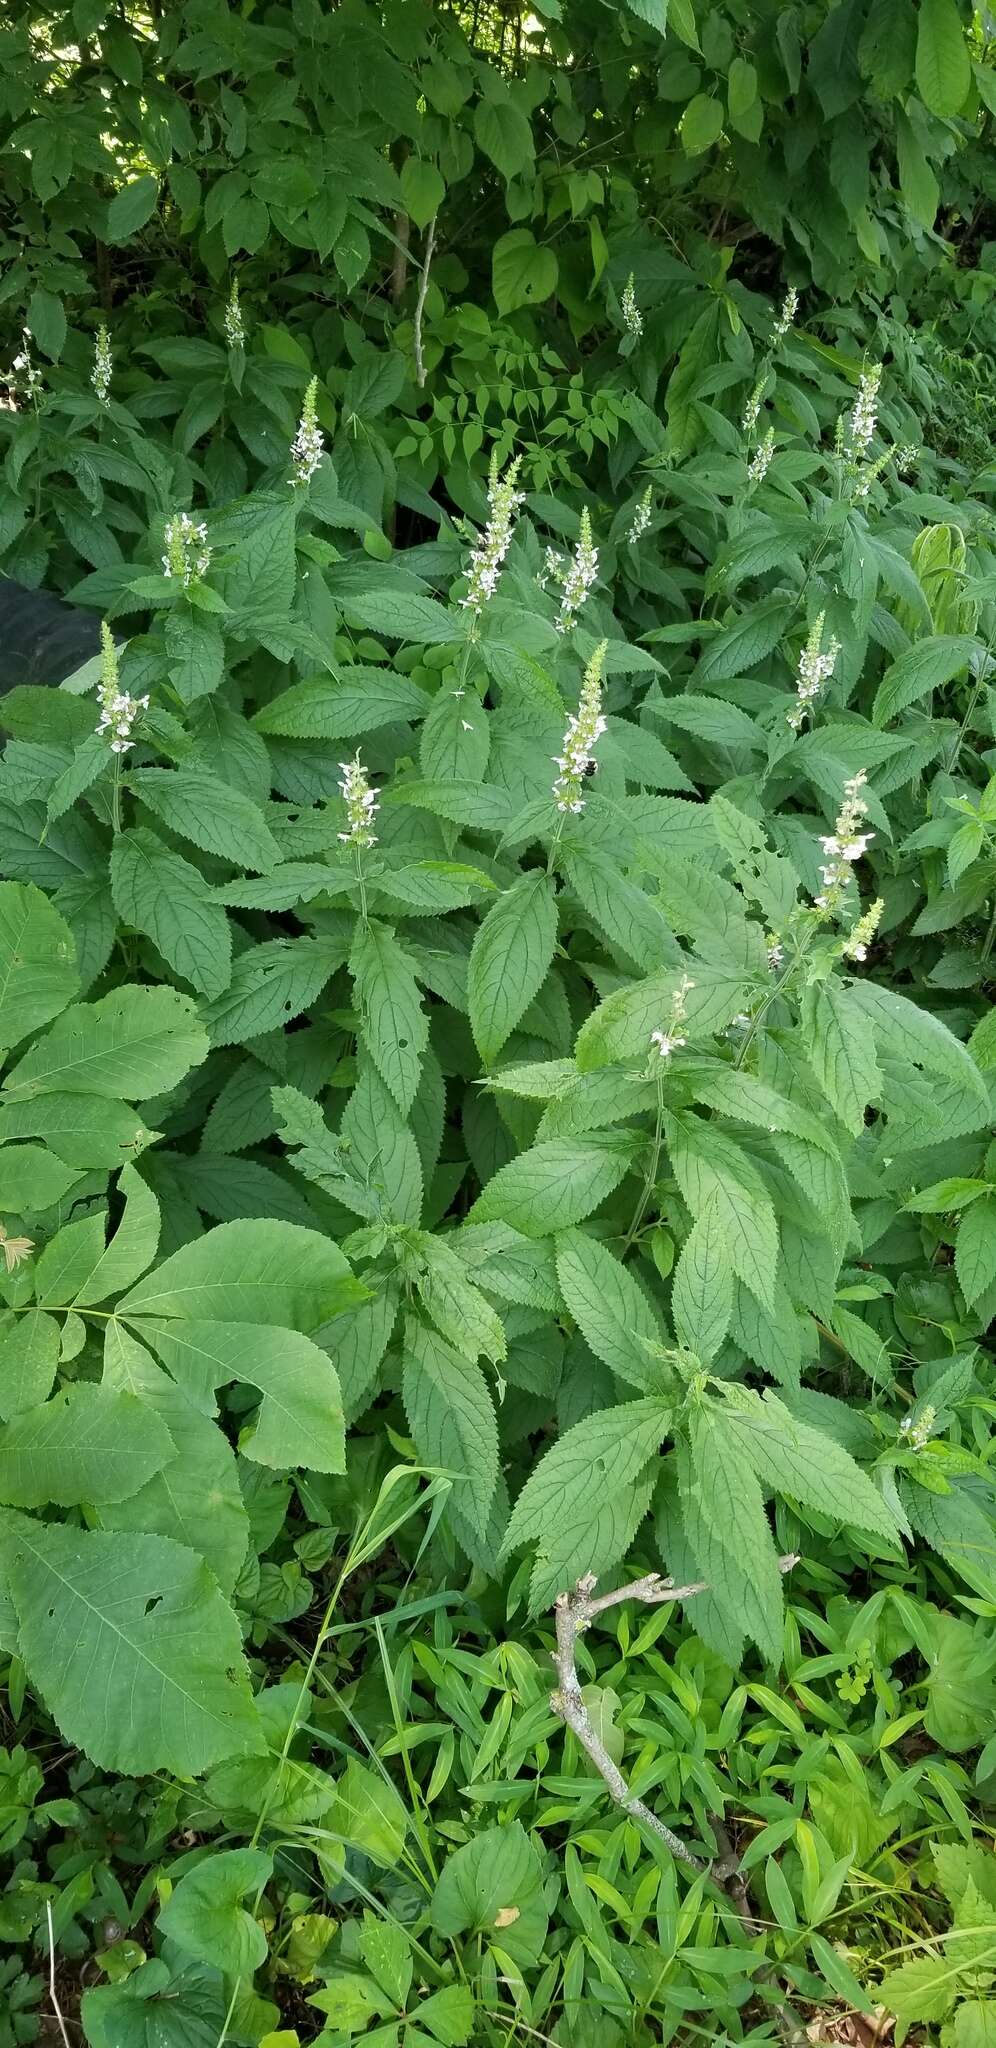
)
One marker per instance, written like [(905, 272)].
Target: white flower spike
[(103, 365), (584, 730), (581, 576), (493, 546), (187, 555), (118, 711), (361, 804), (308, 445)]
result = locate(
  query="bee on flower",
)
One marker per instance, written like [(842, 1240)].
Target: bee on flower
[(670, 1038), (308, 445), (118, 711), (103, 365), (842, 847), (580, 577), (493, 546), (361, 804), (187, 555), (814, 670), (584, 729), (632, 316)]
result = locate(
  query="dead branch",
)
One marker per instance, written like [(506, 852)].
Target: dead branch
[(573, 1613), (423, 286)]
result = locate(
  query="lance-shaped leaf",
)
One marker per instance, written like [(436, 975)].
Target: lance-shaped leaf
[(452, 1419), (609, 1306), (511, 954)]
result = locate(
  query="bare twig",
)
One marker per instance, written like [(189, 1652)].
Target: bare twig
[(573, 1614), (423, 286), (52, 1992)]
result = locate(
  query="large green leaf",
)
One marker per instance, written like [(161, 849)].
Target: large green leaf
[(131, 1646), (87, 1443), (300, 1418), (159, 893), (38, 974), (133, 1043), (204, 1914), (510, 958), (610, 1308), (943, 65), (249, 1272)]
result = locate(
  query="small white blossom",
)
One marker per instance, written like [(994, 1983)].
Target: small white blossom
[(553, 566), (843, 846), (235, 332), (489, 554), (584, 729), (641, 517), (632, 316), (23, 370), (308, 445), (776, 953), (916, 1434), (790, 305), (861, 425), (904, 457), (118, 711), (581, 576), (361, 804), (103, 365), (670, 1038), (187, 555), (752, 409), (741, 1022), (757, 468), (815, 669), (857, 944)]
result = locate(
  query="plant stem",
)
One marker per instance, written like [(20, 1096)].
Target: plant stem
[(650, 1180)]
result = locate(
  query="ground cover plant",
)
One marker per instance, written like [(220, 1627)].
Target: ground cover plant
[(497, 1181)]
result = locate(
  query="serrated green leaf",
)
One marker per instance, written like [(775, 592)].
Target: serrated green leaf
[(509, 960), (702, 1290), (609, 1306), (452, 1419), (159, 893), (393, 1023), (205, 810), (556, 1183)]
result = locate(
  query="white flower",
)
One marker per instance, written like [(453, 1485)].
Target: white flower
[(118, 711), (632, 316), (489, 554), (641, 517), (785, 318), (308, 445), (553, 565), (843, 846), (670, 1038), (916, 1434), (581, 576), (235, 333), (776, 954), (857, 944), (361, 804), (741, 1022), (861, 425), (757, 468), (584, 730), (815, 669), (752, 409), (103, 365), (187, 555), (23, 369), (667, 1042)]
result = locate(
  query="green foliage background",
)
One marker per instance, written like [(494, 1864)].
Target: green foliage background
[(369, 1274)]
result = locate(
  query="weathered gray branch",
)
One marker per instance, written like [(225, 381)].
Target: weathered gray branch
[(573, 1613), (423, 286)]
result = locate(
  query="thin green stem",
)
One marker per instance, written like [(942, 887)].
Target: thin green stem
[(650, 1179)]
